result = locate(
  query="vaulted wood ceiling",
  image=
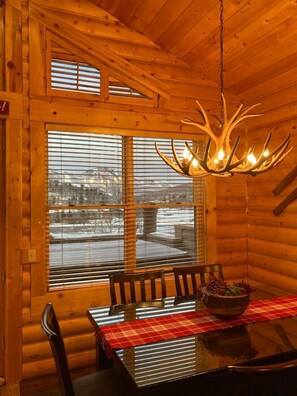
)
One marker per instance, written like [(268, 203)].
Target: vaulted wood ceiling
[(260, 38)]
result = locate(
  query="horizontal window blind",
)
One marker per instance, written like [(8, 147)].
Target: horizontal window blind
[(113, 205), (118, 88), (166, 213), (74, 76)]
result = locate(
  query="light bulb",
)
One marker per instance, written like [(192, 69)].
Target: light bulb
[(251, 158), (221, 154), (266, 153), (195, 163), (186, 153)]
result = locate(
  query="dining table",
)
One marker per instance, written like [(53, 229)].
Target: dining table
[(177, 349)]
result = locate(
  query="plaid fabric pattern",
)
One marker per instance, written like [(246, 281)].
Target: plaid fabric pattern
[(146, 331)]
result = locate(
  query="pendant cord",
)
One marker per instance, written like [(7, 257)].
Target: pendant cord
[(221, 57)]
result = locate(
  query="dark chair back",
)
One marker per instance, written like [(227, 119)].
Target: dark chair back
[(209, 270), (51, 328), (189, 278), (133, 290), (275, 379)]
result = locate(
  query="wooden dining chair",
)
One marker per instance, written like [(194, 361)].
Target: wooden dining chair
[(109, 382), (275, 379), (136, 290), (189, 278)]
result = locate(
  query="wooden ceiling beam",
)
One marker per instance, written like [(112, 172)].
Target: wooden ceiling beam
[(77, 7)]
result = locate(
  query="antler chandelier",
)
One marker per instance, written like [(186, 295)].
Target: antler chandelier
[(221, 160)]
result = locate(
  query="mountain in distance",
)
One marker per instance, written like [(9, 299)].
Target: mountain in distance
[(103, 185)]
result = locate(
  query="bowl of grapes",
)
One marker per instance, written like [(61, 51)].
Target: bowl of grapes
[(225, 301)]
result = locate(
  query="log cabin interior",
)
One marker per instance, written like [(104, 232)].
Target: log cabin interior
[(94, 84)]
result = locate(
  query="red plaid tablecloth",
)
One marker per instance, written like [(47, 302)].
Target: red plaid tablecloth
[(146, 331)]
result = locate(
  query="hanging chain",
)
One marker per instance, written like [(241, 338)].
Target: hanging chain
[(221, 58)]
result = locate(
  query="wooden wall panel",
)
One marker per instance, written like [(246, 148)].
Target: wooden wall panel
[(231, 225), (13, 249), (38, 109), (246, 232), (272, 240), (13, 49)]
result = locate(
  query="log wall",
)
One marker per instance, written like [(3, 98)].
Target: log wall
[(228, 201), (272, 240), (183, 87)]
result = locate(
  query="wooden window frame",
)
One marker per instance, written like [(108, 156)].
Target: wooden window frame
[(94, 294), (152, 99)]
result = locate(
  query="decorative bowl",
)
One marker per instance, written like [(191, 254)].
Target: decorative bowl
[(225, 307)]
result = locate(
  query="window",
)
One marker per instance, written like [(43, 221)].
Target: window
[(117, 88), (77, 76), (74, 76), (113, 205)]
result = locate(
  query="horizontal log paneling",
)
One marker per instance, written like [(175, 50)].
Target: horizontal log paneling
[(273, 264), (274, 249), (237, 270), (230, 218), (272, 253), (269, 203), (161, 71), (41, 350), (45, 367), (231, 244), (273, 279), (231, 231), (235, 258), (232, 203), (265, 187), (273, 234), (32, 332), (266, 218)]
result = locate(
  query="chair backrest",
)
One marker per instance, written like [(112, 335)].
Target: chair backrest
[(133, 290), (189, 278), (51, 328), (265, 380), (211, 270)]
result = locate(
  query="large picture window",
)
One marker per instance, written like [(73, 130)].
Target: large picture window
[(113, 205)]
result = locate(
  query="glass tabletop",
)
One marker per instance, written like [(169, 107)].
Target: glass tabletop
[(181, 358), (168, 362)]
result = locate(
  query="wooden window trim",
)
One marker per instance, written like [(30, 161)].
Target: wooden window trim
[(39, 291), (152, 101)]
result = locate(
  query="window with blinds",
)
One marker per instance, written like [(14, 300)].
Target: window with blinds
[(113, 205), (75, 76), (118, 88)]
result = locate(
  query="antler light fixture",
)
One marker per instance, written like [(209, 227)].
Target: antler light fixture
[(221, 160)]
